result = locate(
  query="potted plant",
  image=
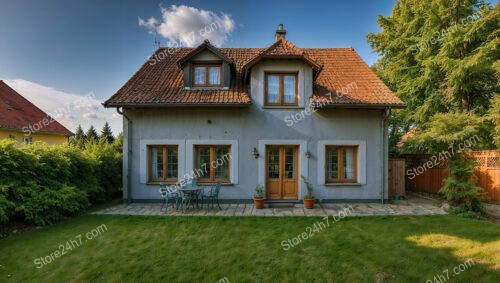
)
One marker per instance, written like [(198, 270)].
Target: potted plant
[(309, 198), (258, 198)]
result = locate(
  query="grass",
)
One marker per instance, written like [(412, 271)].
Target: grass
[(248, 249)]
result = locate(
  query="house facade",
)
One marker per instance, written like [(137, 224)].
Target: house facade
[(249, 116), (23, 122)]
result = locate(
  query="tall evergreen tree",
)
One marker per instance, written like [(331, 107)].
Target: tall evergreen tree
[(439, 57), (92, 134), (107, 134), (79, 138)]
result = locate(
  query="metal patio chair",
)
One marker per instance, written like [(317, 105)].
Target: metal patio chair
[(169, 195), (212, 195)]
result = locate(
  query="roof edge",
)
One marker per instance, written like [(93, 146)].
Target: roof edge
[(364, 106), (168, 105)]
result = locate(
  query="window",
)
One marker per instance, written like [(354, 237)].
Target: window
[(12, 137), (163, 163), (281, 88), (212, 163), (207, 75), (27, 140), (341, 164)]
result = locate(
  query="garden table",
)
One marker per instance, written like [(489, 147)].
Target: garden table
[(190, 194)]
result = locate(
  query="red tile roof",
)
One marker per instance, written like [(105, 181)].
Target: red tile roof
[(17, 112), (159, 82), (349, 80), (283, 47)]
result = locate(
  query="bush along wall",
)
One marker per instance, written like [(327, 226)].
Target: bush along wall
[(42, 184)]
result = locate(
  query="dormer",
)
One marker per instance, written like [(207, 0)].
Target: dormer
[(206, 67), (282, 75)]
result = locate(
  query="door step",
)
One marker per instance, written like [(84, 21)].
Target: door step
[(283, 203)]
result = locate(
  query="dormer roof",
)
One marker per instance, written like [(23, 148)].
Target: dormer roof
[(205, 45), (282, 49)]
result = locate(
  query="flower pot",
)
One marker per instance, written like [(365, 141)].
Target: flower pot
[(309, 203), (259, 202)]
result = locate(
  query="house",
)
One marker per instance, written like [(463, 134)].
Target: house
[(249, 116), (22, 121)]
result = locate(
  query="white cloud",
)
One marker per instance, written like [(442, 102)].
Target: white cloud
[(150, 24), (75, 109), (189, 26), (89, 116)]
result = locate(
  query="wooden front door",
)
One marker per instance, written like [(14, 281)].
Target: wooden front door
[(281, 171)]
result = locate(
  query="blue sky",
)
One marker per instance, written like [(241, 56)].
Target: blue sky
[(77, 47)]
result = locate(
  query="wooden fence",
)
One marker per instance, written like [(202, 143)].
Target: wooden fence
[(425, 173), (396, 177)]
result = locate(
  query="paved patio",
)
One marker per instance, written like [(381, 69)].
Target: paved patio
[(412, 206)]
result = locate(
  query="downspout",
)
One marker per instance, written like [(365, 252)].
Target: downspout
[(385, 116), (129, 152)]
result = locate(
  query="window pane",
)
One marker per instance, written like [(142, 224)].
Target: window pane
[(273, 88), (172, 163), (203, 161), (348, 163), (289, 89), (332, 171), (221, 163), (289, 163), (199, 75), (273, 163), (214, 75), (157, 163)]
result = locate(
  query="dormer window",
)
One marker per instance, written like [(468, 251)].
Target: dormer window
[(281, 89), (207, 75)]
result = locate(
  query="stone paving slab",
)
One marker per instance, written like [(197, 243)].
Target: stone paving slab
[(412, 206)]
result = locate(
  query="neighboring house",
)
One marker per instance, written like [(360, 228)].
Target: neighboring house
[(22, 121), (241, 116)]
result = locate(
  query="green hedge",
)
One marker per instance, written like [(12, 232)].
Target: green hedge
[(41, 184)]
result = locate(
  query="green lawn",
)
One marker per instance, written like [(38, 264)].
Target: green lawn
[(248, 249)]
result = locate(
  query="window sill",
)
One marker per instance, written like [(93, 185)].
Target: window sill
[(213, 184), (158, 183), (283, 107), (342, 184), (206, 88)]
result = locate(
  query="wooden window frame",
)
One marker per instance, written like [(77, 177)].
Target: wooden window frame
[(340, 161), (211, 178), (165, 177), (281, 93), (207, 74)]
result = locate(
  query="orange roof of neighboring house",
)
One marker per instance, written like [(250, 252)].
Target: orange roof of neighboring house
[(16, 113), (406, 137), (159, 82)]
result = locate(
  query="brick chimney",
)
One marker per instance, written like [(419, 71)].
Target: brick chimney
[(280, 32)]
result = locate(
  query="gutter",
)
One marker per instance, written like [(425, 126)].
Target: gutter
[(161, 105), (129, 153), (364, 106), (385, 116)]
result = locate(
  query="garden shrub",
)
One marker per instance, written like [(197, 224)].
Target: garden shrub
[(460, 187), (42, 184), (109, 166), (43, 206)]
